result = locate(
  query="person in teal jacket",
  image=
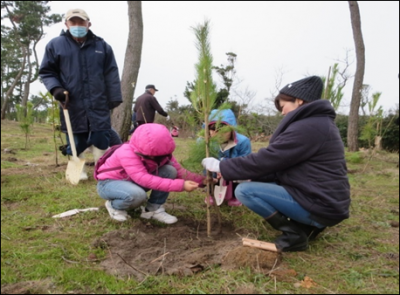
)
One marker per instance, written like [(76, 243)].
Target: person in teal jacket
[(222, 124)]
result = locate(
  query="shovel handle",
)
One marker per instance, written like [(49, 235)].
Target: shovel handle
[(69, 127), (64, 105)]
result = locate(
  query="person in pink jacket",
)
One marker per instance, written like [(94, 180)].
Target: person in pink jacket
[(144, 163)]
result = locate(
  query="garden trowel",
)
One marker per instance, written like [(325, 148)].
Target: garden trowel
[(220, 191), (75, 165)]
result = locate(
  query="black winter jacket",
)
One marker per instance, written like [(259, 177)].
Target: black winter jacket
[(306, 156), (145, 107), (89, 73)]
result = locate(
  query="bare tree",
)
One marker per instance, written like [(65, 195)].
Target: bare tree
[(352, 131), (244, 98), (121, 116)]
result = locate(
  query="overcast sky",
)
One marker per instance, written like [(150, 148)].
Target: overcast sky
[(292, 38)]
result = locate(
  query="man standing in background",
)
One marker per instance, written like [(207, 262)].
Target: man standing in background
[(146, 106)]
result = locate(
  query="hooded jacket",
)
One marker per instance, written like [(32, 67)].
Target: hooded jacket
[(148, 140), (240, 145), (306, 156), (89, 73)]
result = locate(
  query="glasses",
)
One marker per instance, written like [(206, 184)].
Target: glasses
[(213, 127)]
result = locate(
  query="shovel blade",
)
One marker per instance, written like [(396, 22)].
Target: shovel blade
[(74, 170), (219, 193)]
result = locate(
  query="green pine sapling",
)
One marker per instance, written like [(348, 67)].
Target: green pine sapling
[(203, 99)]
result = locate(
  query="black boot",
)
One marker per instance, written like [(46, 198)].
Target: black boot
[(315, 233), (311, 231), (293, 238)]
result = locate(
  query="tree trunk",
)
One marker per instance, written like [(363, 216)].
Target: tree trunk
[(33, 70), (121, 116), (25, 95), (352, 131), (378, 143)]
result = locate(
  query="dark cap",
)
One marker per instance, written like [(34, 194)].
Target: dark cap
[(151, 86), (307, 89)]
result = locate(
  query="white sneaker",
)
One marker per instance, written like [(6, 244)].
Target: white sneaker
[(83, 176), (120, 215), (159, 215)]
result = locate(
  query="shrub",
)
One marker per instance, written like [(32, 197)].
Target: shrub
[(390, 133)]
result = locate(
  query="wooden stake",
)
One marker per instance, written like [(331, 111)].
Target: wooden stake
[(259, 244)]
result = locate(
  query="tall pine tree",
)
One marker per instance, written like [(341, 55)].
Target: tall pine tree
[(203, 98)]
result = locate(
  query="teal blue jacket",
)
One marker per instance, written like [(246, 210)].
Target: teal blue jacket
[(241, 145)]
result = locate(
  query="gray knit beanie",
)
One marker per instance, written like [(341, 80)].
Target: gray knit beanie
[(307, 89)]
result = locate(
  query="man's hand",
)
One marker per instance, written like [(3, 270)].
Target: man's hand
[(59, 94), (190, 185), (211, 164)]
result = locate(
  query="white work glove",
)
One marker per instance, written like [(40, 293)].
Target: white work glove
[(211, 164)]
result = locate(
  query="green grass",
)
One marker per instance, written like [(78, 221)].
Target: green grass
[(40, 254)]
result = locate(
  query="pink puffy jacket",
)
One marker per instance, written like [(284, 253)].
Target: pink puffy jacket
[(152, 140)]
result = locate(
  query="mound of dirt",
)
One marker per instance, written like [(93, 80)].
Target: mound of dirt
[(29, 287), (179, 249), (254, 258)]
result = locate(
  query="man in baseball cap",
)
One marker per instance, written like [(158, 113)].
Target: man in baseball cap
[(151, 86), (147, 105), (78, 62)]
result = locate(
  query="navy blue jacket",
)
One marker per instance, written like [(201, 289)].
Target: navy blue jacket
[(89, 73), (306, 156)]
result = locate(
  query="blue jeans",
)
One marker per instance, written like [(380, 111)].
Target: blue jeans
[(125, 194), (265, 198)]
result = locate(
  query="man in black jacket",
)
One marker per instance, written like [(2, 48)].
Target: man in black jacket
[(147, 105)]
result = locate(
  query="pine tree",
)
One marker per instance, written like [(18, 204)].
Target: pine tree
[(203, 99)]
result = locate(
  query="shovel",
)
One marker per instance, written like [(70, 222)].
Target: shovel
[(75, 165), (220, 192)]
